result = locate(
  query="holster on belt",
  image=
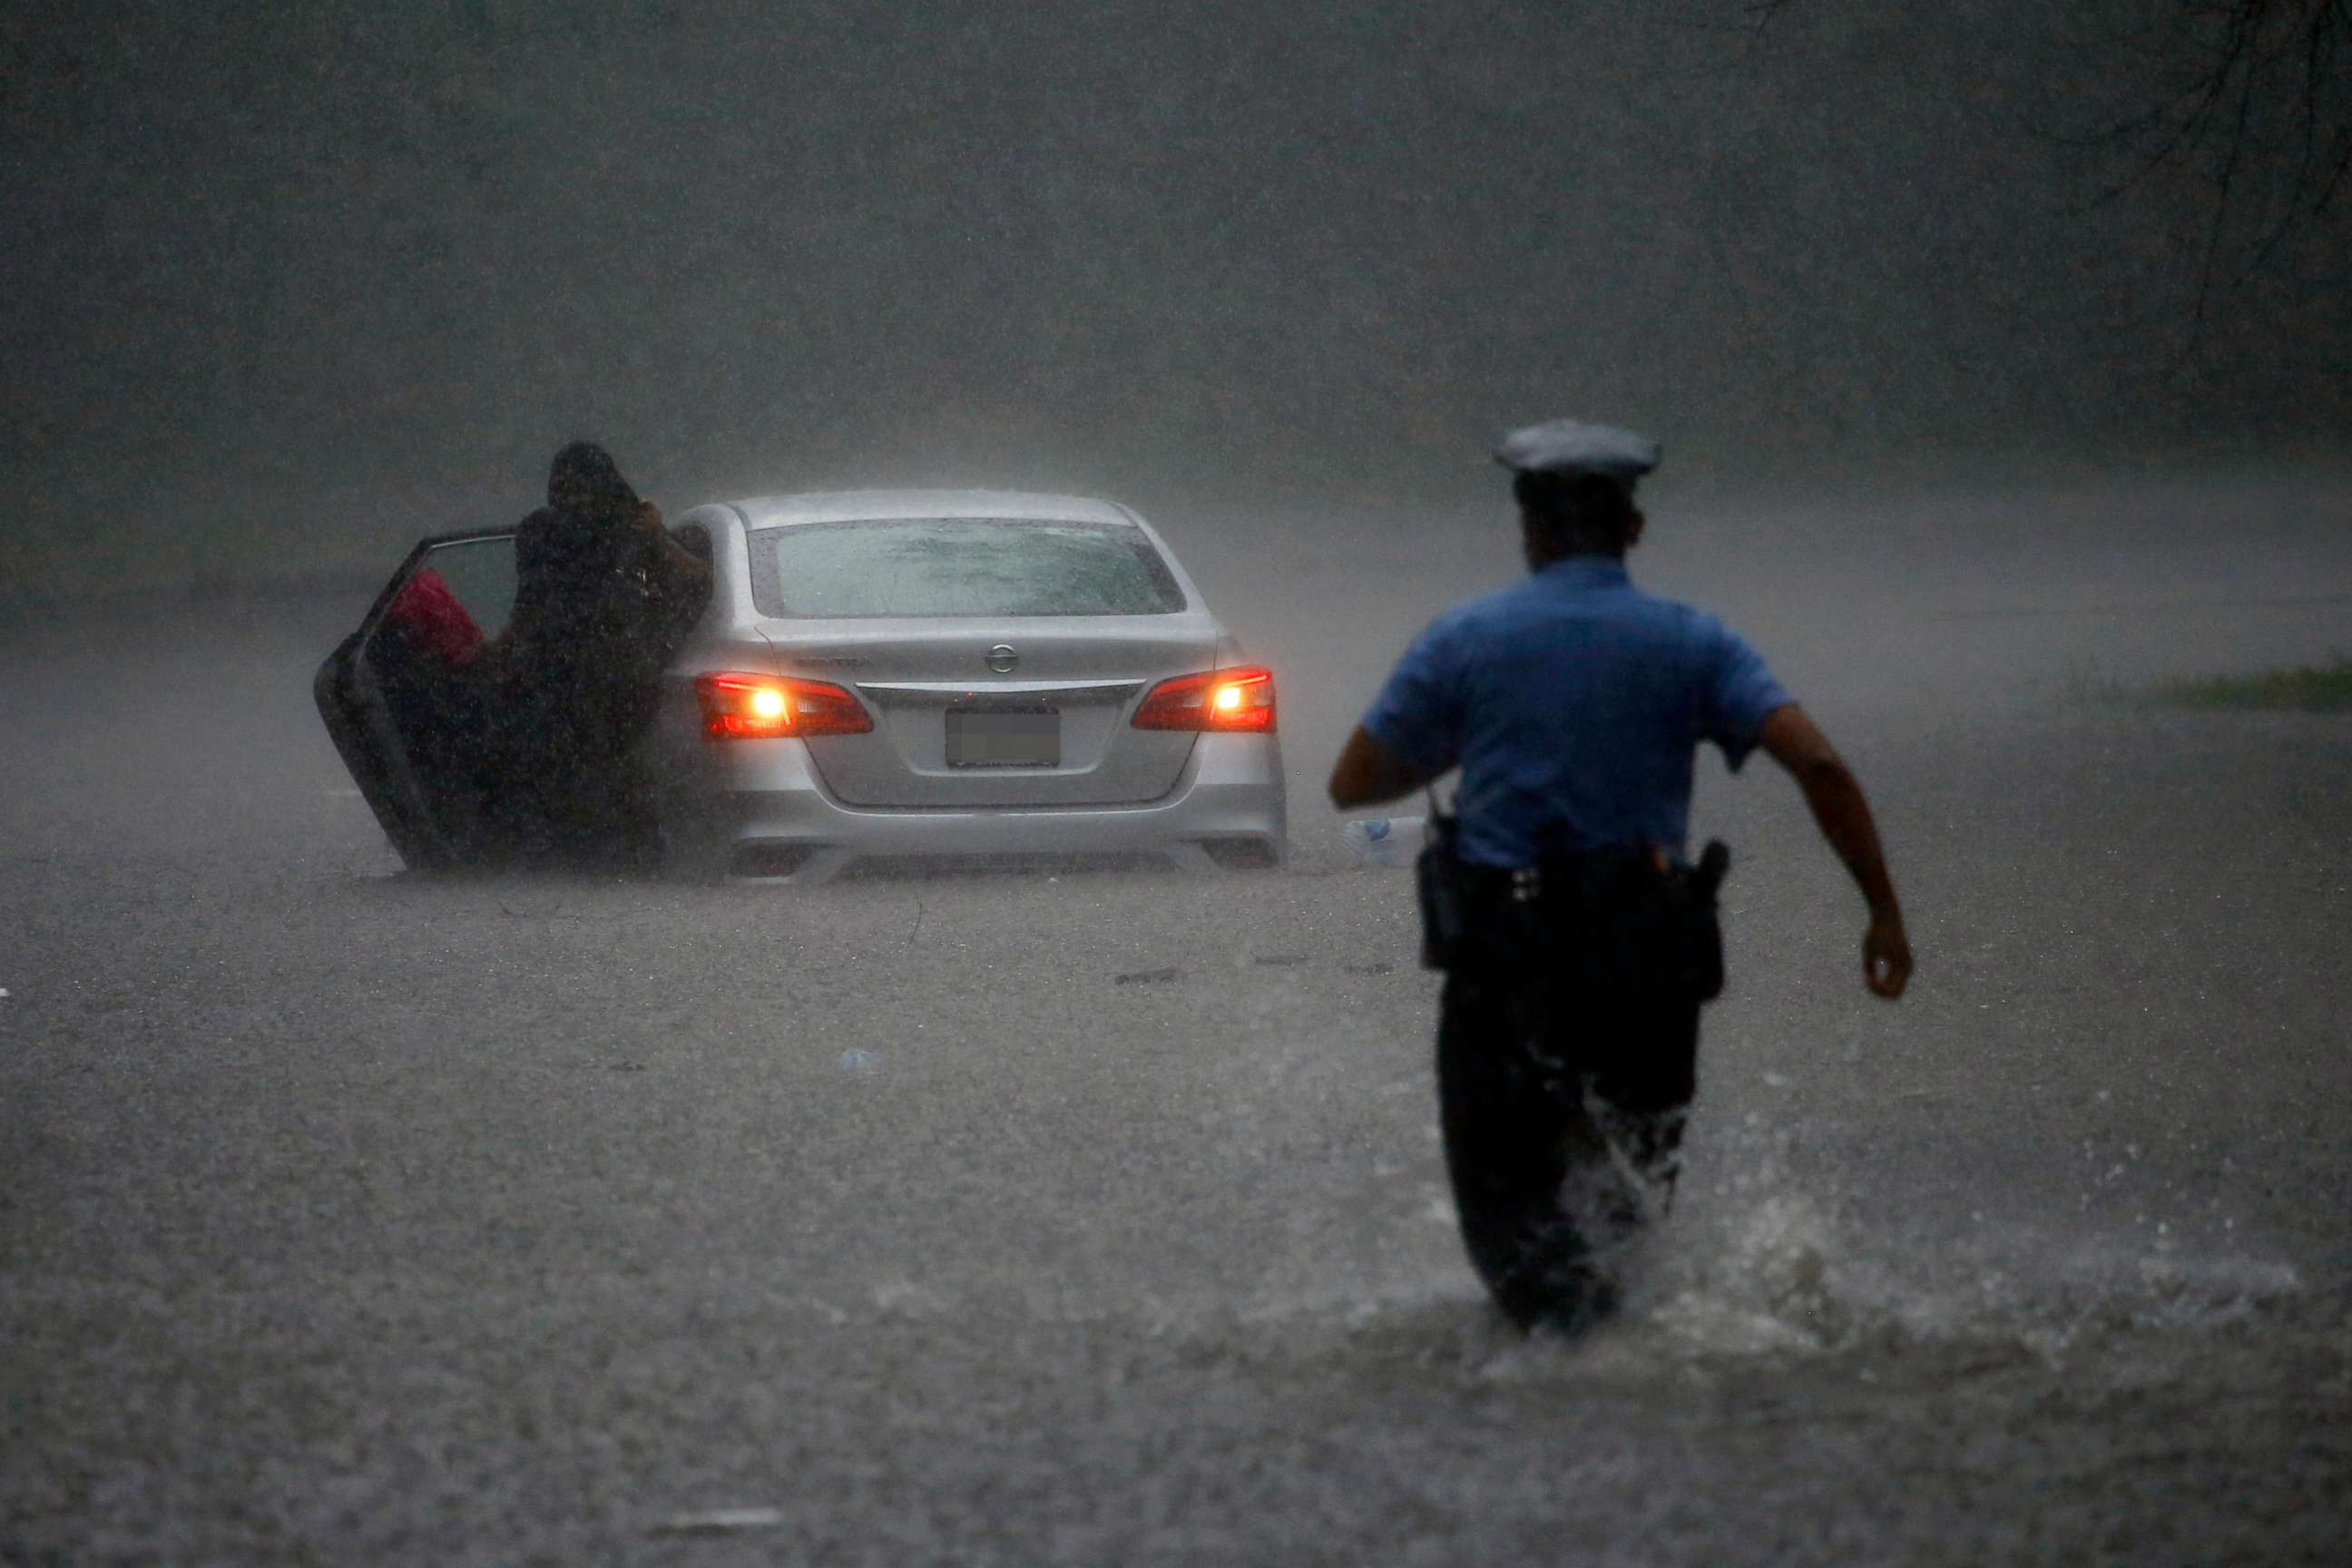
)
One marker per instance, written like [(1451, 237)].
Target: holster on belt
[(1628, 917), (1443, 884)]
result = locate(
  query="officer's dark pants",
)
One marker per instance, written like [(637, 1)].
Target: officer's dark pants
[(1547, 1054)]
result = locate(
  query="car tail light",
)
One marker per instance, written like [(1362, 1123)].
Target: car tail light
[(1241, 699), (772, 707)]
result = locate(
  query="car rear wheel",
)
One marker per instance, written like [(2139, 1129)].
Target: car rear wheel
[(1245, 854)]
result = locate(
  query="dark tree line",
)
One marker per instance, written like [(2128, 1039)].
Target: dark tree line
[(2251, 99), (2266, 98)]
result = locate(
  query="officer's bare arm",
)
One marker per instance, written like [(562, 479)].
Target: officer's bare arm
[(1797, 743), (1366, 774)]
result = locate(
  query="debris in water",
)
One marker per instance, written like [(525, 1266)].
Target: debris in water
[(1370, 968), (1146, 977), (720, 1521), (553, 911), (857, 1060), (1384, 840)]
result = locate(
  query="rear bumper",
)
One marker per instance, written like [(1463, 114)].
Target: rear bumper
[(757, 810)]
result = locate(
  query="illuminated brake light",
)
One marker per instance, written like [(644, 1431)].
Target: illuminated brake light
[(1239, 700), (772, 706)]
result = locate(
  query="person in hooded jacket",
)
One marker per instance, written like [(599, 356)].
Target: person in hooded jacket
[(604, 596)]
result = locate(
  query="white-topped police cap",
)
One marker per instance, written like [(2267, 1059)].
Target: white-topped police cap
[(1573, 446)]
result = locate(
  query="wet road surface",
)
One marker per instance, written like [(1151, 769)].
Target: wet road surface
[(352, 1217)]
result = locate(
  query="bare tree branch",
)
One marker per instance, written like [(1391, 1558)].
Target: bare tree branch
[(2260, 106)]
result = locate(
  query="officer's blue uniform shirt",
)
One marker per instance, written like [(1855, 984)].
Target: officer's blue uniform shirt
[(1572, 698)]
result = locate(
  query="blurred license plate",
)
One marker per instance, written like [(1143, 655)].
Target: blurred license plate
[(993, 738)]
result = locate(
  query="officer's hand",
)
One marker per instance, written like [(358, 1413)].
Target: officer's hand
[(1885, 957)]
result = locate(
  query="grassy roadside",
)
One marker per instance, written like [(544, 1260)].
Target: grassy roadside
[(2309, 688)]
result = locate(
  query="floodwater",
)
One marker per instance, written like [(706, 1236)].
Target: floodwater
[(354, 1216)]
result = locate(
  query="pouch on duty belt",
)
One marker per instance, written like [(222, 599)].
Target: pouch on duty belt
[(1657, 920)]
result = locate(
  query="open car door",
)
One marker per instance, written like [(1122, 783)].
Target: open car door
[(408, 699)]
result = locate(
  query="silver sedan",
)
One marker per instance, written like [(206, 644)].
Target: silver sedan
[(905, 675)]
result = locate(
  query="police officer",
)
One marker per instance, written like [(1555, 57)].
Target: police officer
[(1583, 944)]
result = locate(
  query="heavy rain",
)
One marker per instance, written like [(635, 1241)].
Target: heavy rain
[(1096, 1213)]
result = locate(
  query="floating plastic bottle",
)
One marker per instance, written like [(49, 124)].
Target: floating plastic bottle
[(1384, 840)]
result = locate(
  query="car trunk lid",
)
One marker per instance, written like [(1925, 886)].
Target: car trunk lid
[(999, 713)]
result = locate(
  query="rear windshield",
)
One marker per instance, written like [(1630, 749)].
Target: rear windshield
[(960, 566)]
